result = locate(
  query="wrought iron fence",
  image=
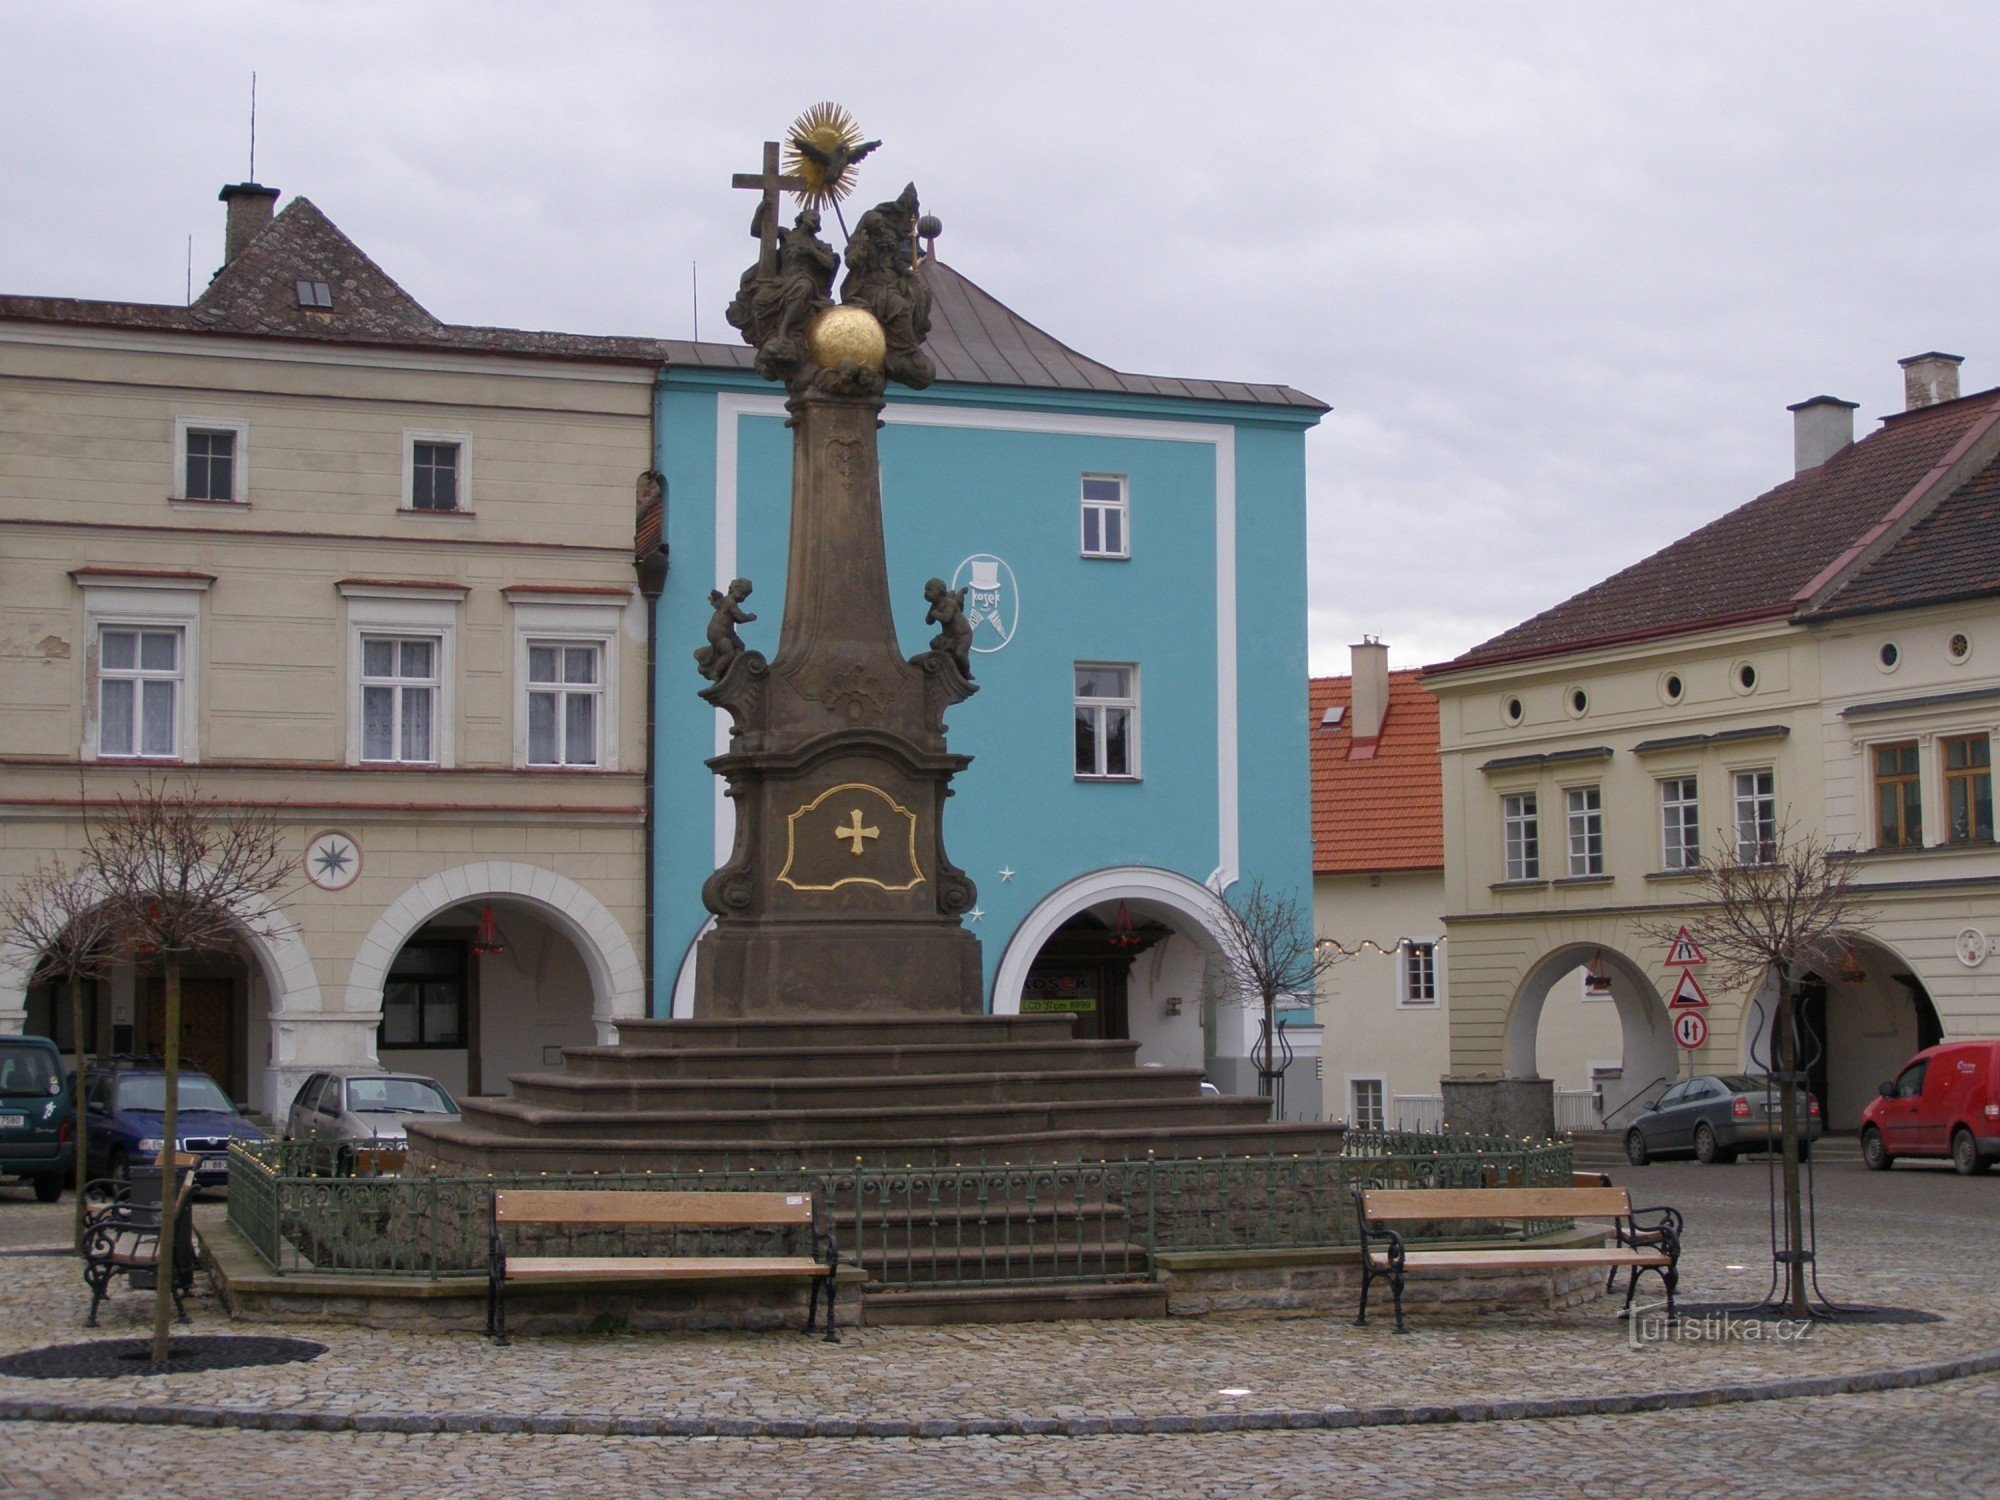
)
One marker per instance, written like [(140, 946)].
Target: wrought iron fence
[(985, 1225)]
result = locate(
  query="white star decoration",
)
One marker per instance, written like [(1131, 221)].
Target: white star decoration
[(1006, 874), (975, 915)]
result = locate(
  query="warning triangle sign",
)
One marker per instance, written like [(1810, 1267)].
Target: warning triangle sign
[(1687, 994), (1684, 954)]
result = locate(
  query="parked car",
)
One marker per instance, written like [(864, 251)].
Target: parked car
[(37, 1116), (364, 1110), (1714, 1117), (124, 1102), (1945, 1102)]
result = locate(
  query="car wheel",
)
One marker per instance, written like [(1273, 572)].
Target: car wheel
[(120, 1167), (1805, 1150), (1635, 1148), (48, 1189), (343, 1162), (1965, 1154), (1707, 1150), (1874, 1154)]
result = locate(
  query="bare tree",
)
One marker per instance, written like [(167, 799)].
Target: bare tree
[(61, 926), (185, 874), (1778, 918), (1268, 951)]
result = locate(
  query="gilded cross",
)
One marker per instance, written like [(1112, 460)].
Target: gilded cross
[(770, 182), (856, 832)]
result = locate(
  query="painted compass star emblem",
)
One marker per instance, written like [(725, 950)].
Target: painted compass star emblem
[(333, 860)]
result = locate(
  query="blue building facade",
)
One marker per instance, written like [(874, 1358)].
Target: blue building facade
[(1134, 551)]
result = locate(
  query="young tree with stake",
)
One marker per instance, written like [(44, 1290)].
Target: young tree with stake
[(1268, 951)]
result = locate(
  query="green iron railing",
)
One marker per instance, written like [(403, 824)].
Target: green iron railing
[(917, 1226)]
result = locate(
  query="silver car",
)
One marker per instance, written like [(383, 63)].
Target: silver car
[(1714, 1117), (361, 1114)]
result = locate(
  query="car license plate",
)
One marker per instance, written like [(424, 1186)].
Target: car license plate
[(214, 1164), (13, 1122)]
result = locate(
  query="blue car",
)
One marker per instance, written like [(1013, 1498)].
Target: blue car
[(123, 1104)]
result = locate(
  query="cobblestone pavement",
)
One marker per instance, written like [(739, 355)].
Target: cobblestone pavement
[(1916, 1239)]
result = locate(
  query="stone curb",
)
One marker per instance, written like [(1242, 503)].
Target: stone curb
[(1904, 1377)]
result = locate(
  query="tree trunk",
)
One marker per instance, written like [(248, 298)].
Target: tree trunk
[(163, 1292), (1788, 1128), (77, 1111), (1267, 1075)]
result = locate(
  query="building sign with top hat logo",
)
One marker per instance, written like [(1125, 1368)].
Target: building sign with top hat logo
[(992, 602)]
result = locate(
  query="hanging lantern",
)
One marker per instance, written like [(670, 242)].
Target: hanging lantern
[(487, 941), (1122, 933), (1850, 970), (1597, 978)]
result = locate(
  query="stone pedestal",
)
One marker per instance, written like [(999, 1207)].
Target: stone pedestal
[(837, 897), (1500, 1106)]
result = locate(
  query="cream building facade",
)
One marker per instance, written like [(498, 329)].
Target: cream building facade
[(309, 550), (1709, 699)]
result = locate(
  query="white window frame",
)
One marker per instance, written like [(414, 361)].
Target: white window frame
[(389, 610), (1583, 823), (1353, 1101), (1738, 801), (544, 619), (1121, 508), (239, 473), (145, 604), (415, 435), (1686, 857), (1521, 811), (1406, 963), (1131, 703)]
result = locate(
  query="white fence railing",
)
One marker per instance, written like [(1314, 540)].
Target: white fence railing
[(1417, 1112), (1577, 1109)]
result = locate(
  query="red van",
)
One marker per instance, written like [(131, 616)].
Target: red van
[(1945, 1102)]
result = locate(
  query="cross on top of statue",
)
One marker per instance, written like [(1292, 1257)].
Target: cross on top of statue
[(770, 182)]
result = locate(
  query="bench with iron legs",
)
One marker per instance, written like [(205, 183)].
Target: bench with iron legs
[(121, 1235), (1643, 1239), (669, 1213)]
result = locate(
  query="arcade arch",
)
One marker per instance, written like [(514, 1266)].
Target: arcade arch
[(1648, 1056)]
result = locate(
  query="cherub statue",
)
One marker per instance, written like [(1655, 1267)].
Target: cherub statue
[(947, 612), (882, 276), (772, 312), (724, 644)]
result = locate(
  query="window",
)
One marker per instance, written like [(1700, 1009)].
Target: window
[(138, 692), (1585, 808), (1419, 973), (423, 999), (1756, 816), (399, 687), (1968, 790), (1899, 816), (1107, 720), (1680, 824), (210, 460), (1105, 512), (1367, 1103), (1523, 836), (565, 694), (437, 477), (315, 294)]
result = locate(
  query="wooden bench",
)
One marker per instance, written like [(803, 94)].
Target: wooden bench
[(1651, 1245), (121, 1234), (599, 1210)]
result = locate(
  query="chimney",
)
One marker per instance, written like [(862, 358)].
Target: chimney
[(1821, 427), (250, 208), (1929, 379), (1370, 668)]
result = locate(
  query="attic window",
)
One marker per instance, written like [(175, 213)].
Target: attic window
[(315, 294), (1335, 712)]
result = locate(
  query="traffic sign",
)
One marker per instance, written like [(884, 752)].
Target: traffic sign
[(1687, 994), (1690, 1029), (1684, 954)]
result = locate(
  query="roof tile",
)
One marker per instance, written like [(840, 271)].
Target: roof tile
[(1385, 812)]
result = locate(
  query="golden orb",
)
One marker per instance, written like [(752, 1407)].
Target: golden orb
[(846, 332)]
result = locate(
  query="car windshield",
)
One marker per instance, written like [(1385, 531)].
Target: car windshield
[(28, 1070), (403, 1096), (149, 1092)]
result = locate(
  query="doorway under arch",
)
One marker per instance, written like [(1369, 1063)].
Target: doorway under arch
[(1648, 1056)]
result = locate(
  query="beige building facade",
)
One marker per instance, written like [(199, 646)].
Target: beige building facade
[(308, 550)]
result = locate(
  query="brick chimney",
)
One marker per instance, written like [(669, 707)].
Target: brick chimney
[(1821, 427), (250, 208), (1370, 669), (1929, 379)]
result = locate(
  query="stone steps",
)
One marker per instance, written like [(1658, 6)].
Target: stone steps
[(846, 1061), (913, 1307), (819, 1033), (907, 1093)]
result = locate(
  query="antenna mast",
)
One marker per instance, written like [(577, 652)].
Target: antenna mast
[(253, 126)]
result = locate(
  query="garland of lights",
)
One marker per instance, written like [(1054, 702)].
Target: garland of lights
[(1369, 945)]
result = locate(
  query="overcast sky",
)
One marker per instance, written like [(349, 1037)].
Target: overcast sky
[(1557, 268)]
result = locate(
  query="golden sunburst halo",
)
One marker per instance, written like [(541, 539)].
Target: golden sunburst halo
[(833, 130)]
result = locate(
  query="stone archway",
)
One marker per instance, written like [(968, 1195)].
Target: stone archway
[(1650, 1058)]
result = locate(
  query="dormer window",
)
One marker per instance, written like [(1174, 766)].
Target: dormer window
[(315, 294)]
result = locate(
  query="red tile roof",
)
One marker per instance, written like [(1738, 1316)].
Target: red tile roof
[(1385, 812), (1763, 559)]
